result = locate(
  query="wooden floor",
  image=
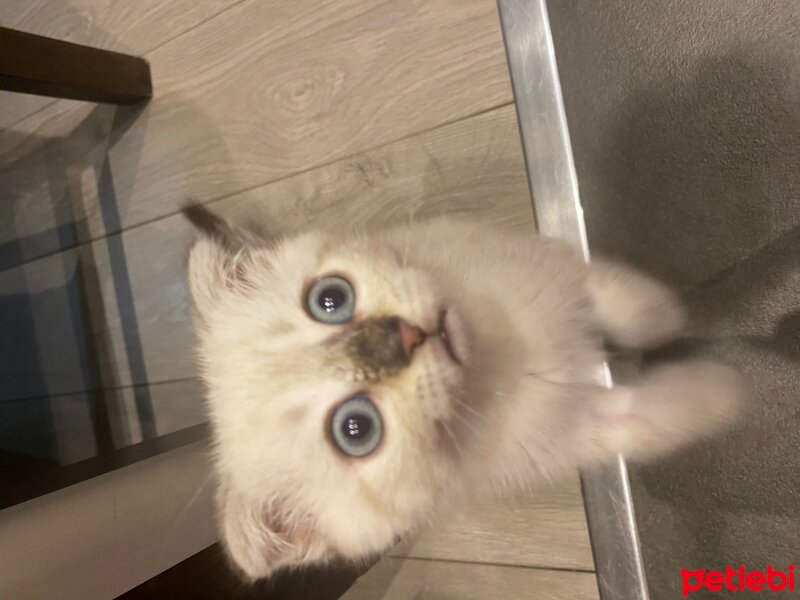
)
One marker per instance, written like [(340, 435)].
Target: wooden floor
[(294, 112)]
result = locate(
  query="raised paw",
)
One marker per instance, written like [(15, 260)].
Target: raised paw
[(634, 310), (671, 407)]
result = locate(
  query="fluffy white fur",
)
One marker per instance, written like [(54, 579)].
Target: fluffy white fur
[(525, 315)]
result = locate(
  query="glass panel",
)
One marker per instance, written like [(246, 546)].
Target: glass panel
[(77, 397)]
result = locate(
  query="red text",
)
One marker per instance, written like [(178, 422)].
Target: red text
[(738, 580)]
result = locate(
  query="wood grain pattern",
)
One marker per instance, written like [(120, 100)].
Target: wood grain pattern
[(130, 27), (546, 528), (407, 579), (285, 86), (473, 168)]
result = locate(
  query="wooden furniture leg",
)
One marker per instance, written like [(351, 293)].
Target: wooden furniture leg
[(33, 64)]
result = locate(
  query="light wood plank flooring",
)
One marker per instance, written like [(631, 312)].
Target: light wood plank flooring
[(395, 579), (545, 529)]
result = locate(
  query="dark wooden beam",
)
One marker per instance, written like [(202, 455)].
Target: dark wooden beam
[(33, 64)]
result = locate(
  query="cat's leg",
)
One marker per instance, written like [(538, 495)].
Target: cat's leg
[(670, 407), (632, 309)]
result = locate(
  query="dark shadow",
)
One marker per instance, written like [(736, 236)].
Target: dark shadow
[(698, 175), (208, 576)]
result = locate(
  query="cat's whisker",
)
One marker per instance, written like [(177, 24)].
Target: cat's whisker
[(409, 231), (471, 426), (566, 384), (466, 406), (542, 472), (465, 420), (453, 438)]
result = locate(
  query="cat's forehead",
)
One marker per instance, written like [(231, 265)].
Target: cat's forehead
[(357, 256), (323, 246), (360, 251)]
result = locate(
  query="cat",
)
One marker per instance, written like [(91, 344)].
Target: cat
[(359, 381)]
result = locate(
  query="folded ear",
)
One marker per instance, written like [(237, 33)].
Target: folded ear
[(213, 270), (261, 539), (220, 258)]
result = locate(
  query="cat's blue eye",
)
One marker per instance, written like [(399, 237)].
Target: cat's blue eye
[(356, 426), (331, 300)]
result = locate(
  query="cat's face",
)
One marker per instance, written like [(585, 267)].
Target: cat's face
[(334, 373)]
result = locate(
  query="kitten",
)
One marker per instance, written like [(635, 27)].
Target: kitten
[(357, 381)]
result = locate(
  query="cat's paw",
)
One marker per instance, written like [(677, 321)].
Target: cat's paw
[(673, 406), (655, 318), (634, 310), (712, 393)]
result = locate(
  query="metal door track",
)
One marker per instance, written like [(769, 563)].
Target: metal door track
[(553, 187)]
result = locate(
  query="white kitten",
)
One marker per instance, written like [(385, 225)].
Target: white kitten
[(358, 381)]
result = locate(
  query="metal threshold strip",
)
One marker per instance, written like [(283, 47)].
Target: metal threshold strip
[(556, 204)]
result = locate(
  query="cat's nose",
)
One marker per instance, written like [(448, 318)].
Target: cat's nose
[(382, 346), (410, 337)]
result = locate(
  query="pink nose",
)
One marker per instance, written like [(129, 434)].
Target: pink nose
[(410, 337)]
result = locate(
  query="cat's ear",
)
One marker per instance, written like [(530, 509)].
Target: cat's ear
[(220, 258), (263, 539), (213, 271)]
